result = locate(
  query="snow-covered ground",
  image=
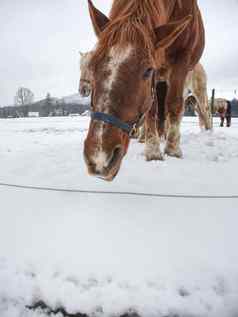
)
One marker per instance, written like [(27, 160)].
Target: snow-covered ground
[(105, 255)]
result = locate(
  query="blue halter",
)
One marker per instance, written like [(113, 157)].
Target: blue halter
[(110, 119)]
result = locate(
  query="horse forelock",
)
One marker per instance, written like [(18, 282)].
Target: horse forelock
[(141, 8), (131, 22)]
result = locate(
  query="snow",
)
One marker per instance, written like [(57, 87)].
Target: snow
[(106, 255)]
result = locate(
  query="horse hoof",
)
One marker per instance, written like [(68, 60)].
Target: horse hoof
[(174, 152), (141, 140), (153, 157)]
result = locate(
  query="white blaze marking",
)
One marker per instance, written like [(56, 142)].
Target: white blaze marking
[(117, 57), (100, 160)]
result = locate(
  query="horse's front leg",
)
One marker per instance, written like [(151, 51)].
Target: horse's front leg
[(204, 112), (175, 106), (222, 121), (152, 138)]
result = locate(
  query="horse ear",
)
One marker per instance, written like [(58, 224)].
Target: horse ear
[(166, 34), (99, 20)]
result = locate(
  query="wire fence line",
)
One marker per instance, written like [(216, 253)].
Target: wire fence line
[(117, 193)]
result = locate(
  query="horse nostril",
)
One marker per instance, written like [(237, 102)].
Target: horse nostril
[(116, 154)]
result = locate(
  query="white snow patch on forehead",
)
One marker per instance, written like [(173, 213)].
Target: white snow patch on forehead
[(117, 57)]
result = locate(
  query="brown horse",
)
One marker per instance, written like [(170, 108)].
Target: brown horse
[(144, 53), (222, 107)]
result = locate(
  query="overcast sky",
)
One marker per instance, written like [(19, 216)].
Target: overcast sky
[(40, 40)]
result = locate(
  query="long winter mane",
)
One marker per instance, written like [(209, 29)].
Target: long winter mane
[(150, 8), (130, 22)]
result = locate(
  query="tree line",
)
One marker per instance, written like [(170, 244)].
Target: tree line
[(24, 106)]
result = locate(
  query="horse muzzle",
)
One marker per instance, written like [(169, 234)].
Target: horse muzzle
[(104, 165)]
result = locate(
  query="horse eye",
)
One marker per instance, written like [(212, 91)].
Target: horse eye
[(148, 73)]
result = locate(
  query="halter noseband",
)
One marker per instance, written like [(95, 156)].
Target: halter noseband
[(129, 128)]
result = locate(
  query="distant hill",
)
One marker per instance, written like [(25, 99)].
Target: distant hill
[(71, 99), (76, 98)]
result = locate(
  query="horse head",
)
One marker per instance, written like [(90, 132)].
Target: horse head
[(122, 68)]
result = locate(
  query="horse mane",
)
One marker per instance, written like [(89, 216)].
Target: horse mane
[(130, 22), (141, 8)]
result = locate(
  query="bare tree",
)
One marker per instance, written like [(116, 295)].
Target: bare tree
[(47, 105), (24, 96)]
